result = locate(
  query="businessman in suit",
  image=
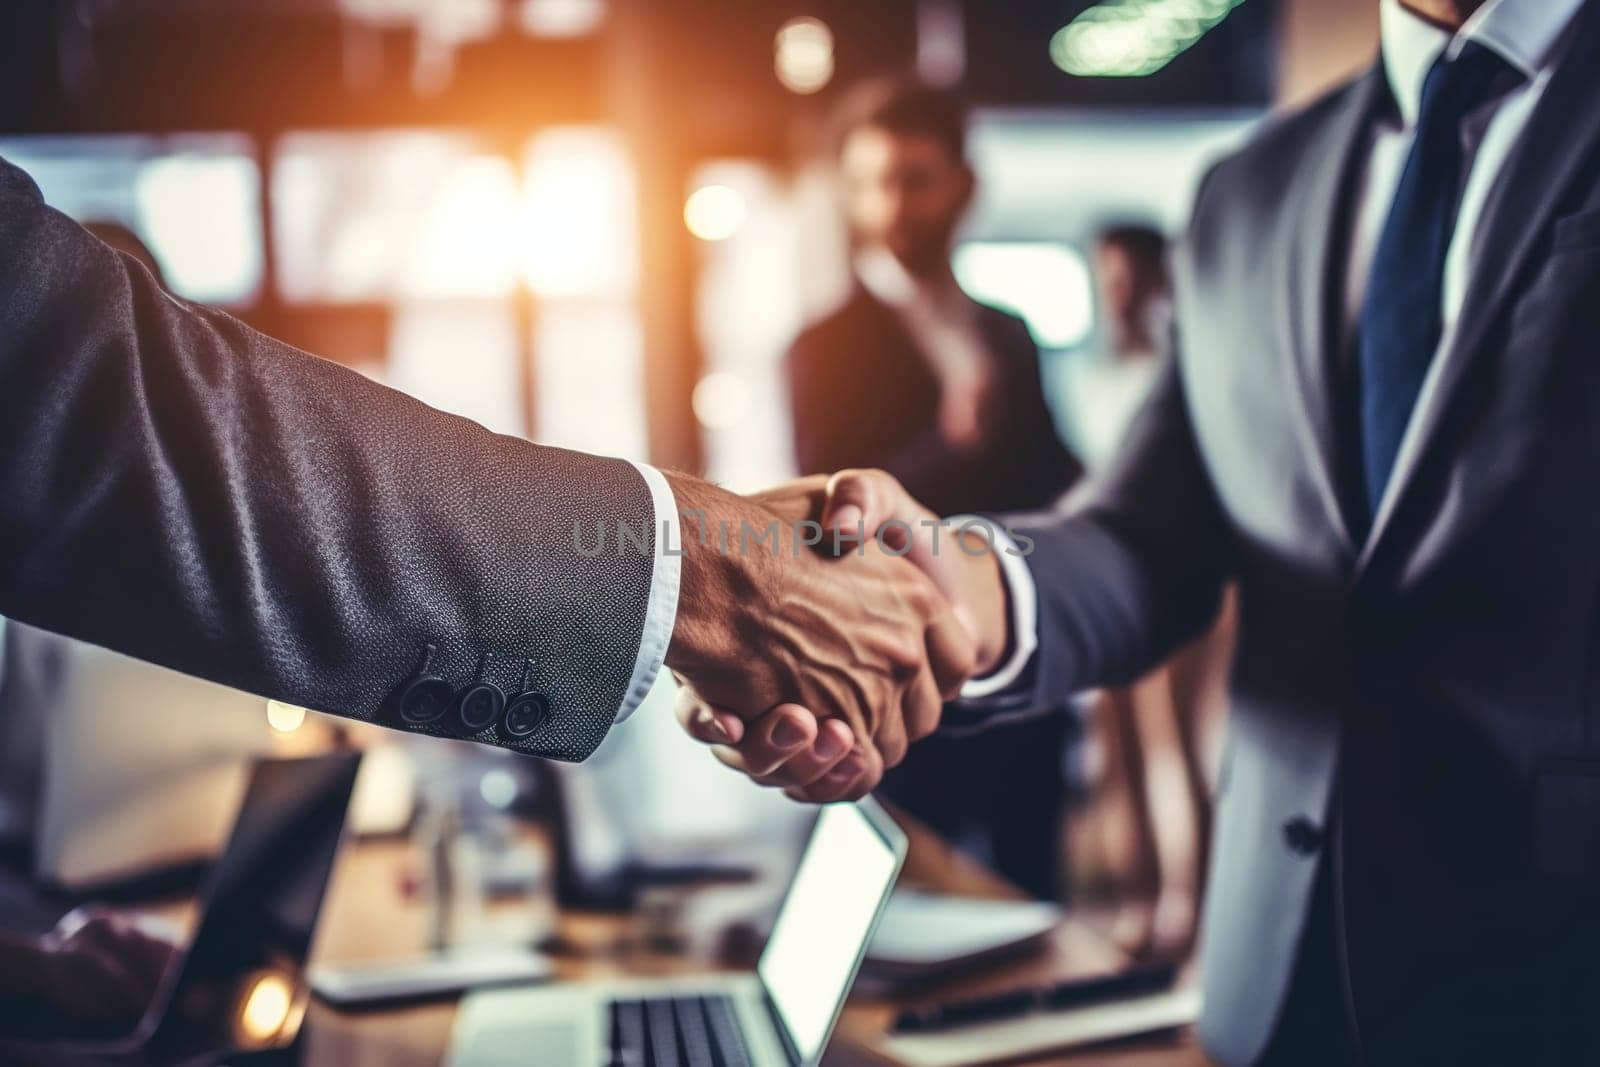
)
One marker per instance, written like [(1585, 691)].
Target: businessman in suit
[(912, 375), (1383, 422), (181, 489)]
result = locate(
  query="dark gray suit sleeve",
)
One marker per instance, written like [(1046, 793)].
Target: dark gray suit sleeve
[(1134, 569), (180, 488)]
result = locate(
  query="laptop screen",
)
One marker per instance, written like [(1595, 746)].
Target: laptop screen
[(845, 875), (241, 984)]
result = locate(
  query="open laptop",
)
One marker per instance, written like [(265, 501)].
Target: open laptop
[(782, 1014), (240, 984)]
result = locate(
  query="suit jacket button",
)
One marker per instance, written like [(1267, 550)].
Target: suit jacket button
[(480, 706), (424, 696), (526, 713), (425, 699), (1302, 836)]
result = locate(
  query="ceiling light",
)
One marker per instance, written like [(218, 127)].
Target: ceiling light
[(1134, 38)]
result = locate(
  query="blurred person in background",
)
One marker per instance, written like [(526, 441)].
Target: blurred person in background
[(914, 376), (1109, 380), (1137, 838), (910, 374)]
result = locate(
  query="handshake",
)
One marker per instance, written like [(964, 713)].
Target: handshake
[(822, 624)]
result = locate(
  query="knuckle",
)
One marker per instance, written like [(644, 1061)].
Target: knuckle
[(964, 660), (921, 726)]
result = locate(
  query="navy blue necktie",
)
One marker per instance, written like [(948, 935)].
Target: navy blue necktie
[(1402, 318)]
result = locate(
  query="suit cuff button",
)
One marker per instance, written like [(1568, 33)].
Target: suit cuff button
[(481, 702), (425, 699), (526, 713), (424, 696)]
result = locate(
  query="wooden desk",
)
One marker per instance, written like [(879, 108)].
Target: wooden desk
[(367, 918)]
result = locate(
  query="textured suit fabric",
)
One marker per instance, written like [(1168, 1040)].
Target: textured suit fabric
[(863, 395), (182, 489), (1442, 671)]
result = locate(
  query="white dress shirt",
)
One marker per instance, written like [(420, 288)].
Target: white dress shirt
[(661, 609), (1528, 34), (942, 321)]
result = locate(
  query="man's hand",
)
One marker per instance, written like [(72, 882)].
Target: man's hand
[(95, 967), (786, 745), (866, 644)]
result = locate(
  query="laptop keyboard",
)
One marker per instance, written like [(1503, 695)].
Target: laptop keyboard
[(676, 1032)]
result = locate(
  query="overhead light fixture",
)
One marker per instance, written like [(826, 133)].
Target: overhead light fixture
[(1134, 38), (803, 55)]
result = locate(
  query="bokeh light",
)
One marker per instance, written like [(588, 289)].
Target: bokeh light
[(803, 55), (498, 788), (285, 718), (265, 1008), (714, 212), (721, 400)]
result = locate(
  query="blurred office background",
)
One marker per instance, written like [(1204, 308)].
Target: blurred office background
[(599, 223)]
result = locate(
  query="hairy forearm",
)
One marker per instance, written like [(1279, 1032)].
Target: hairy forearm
[(726, 579)]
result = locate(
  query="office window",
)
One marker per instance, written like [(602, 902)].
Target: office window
[(1045, 282), (579, 253), (749, 309), (454, 237), (393, 216), (192, 199), (590, 393)]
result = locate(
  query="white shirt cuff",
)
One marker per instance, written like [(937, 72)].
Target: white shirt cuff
[(1024, 598), (661, 610)]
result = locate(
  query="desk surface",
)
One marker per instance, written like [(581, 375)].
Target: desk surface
[(367, 917)]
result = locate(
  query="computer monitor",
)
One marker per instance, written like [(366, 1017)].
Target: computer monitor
[(143, 770)]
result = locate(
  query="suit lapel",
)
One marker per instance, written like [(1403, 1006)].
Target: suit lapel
[(896, 359), (1561, 135), (1309, 247)]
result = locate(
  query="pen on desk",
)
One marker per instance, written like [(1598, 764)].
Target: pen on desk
[(1073, 993)]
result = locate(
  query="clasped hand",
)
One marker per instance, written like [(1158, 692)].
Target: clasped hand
[(811, 663)]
